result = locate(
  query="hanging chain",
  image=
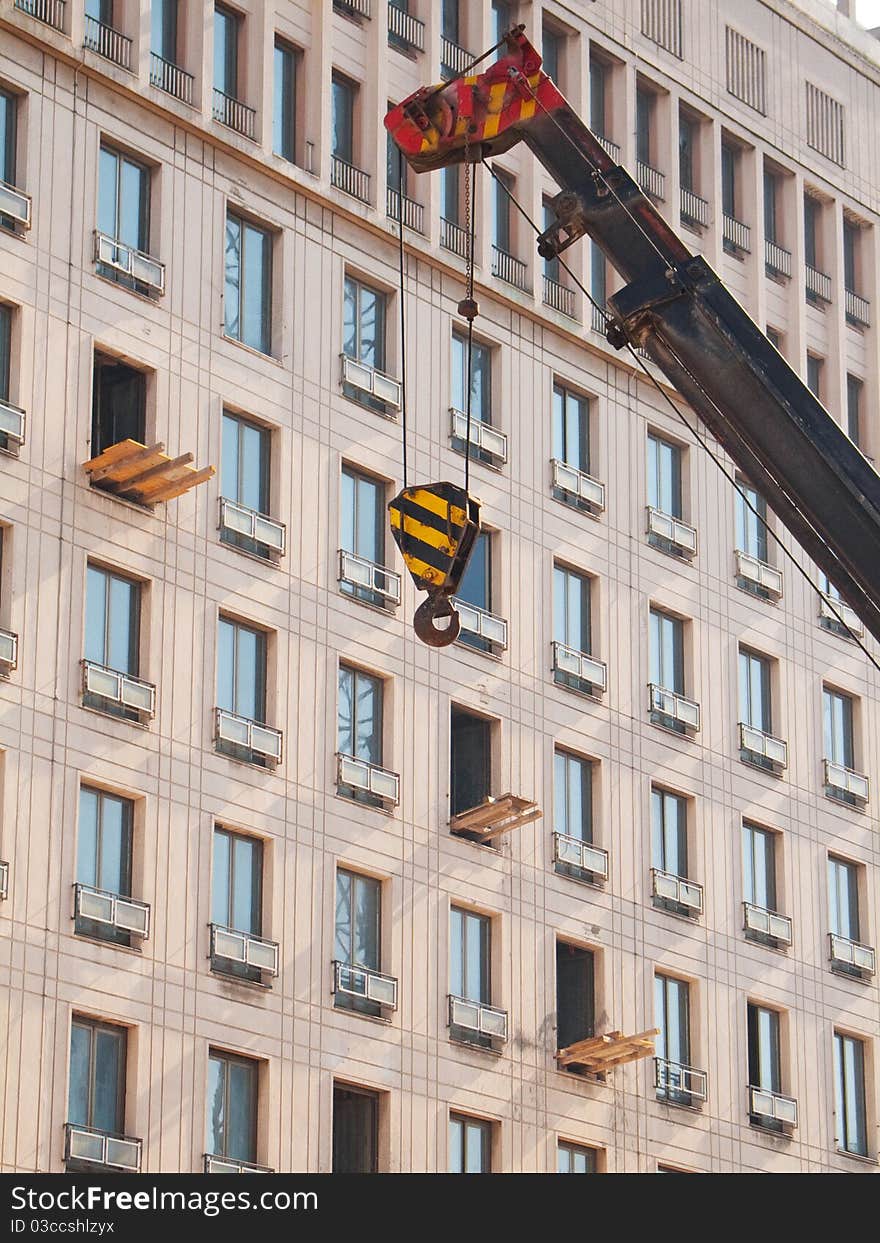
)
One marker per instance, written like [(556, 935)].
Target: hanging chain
[(468, 306), (400, 167)]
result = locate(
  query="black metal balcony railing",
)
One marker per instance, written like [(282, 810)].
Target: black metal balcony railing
[(597, 320), (559, 297), (818, 283), (453, 237), (405, 29), (107, 42), (694, 208), (736, 233), (354, 8), (234, 114), (776, 258), (509, 269), (612, 148), (349, 179), (651, 180), (49, 11), (858, 309), (413, 212), (170, 78), (453, 59)]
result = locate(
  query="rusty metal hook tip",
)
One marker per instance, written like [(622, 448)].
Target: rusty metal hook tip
[(429, 611)]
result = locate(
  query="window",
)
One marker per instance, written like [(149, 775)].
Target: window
[(598, 284), (469, 970), (123, 212), (645, 103), (669, 844), (248, 284), (357, 941), (96, 1097), (771, 206), (850, 255), (237, 895), (163, 29), (759, 869), (575, 996), (363, 335), (450, 194), (363, 527), (552, 52), (688, 129), (666, 657), (481, 378), (241, 679), (226, 32), (119, 398), (814, 375), (355, 1130), (244, 476), (664, 476), (112, 638), (476, 588), (850, 1113), (843, 900), (837, 721), (729, 179), (470, 761), (8, 140), (344, 94), (450, 21), (552, 269), (600, 75), (284, 101), (359, 729), (571, 428), (754, 691), (672, 1016), (396, 169), (5, 366), (573, 805), (502, 20), (232, 1106), (854, 389), (501, 189), (572, 627), (103, 855), (812, 218), (575, 1159), (751, 520), (470, 1145), (765, 1062)]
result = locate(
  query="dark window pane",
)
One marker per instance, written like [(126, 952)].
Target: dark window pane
[(470, 761), (355, 1131), (163, 29), (574, 994), (118, 404), (8, 119), (284, 113)]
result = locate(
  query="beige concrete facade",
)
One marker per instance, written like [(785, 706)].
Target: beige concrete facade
[(165, 994)]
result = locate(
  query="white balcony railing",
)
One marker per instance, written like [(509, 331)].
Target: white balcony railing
[(768, 923), (12, 424), (49, 11), (576, 664), (349, 179), (612, 148), (840, 779), (838, 615), (119, 688), (651, 180), (849, 953), (764, 745), (353, 981), (413, 212), (405, 28), (251, 735), (777, 259), (858, 309), (229, 1165), (453, 59), (680, 535), (453, 237), (559, 297), (672, 888), (672, 1078), (367, 379), (102, 907), (8, 651), (359, 572), (476, 1017), (114, 1152), (234, 114), (107, 42), (129, 261), (773, 1106), (579, 854), (15, 204), (818, 283), (4, 880), (509, 269), (694, 208), (578, 485), (371, 778), (735, 233), (171, 79), (244, 948), (758, 572), (261, 529), (678, 708), (482, 623), (483, 435)]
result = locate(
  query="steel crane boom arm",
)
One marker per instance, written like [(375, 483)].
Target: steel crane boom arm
[(674, 306)]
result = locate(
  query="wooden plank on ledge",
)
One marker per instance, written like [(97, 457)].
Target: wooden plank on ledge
[(177, 489), (516, 820), (160, 468), (121, 472), (611, 1049), (113, 453), (170, 474)]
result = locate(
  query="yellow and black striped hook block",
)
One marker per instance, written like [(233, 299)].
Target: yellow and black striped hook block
[(435, 527)]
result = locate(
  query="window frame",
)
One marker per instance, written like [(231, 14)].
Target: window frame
[(247, 226), (119, 1034), (254, 1068), (468, 1122)]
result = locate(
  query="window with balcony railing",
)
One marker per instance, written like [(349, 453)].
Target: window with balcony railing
[(362, 572), (575, 854), (405, 31), (358, 982), (112, 647), (165, 70), (241, 731), (768, 1108), (101, 36), (228, 108), (762, 922), (104, 869), (51, 12), (672, 888), (95, 1129), (122, 239), (15, 205), (676, 1081), (232, 1101)]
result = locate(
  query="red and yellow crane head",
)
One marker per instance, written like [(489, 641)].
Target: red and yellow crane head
[(473, 115)]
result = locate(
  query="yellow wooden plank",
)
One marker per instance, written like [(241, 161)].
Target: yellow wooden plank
[(112, 453), (195, 478), (131, 467)]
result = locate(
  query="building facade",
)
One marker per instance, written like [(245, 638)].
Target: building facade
[(240, 924)]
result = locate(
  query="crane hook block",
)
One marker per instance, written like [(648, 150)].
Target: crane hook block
[(435, 527)]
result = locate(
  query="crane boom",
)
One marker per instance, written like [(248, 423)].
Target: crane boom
[(674, 306)]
